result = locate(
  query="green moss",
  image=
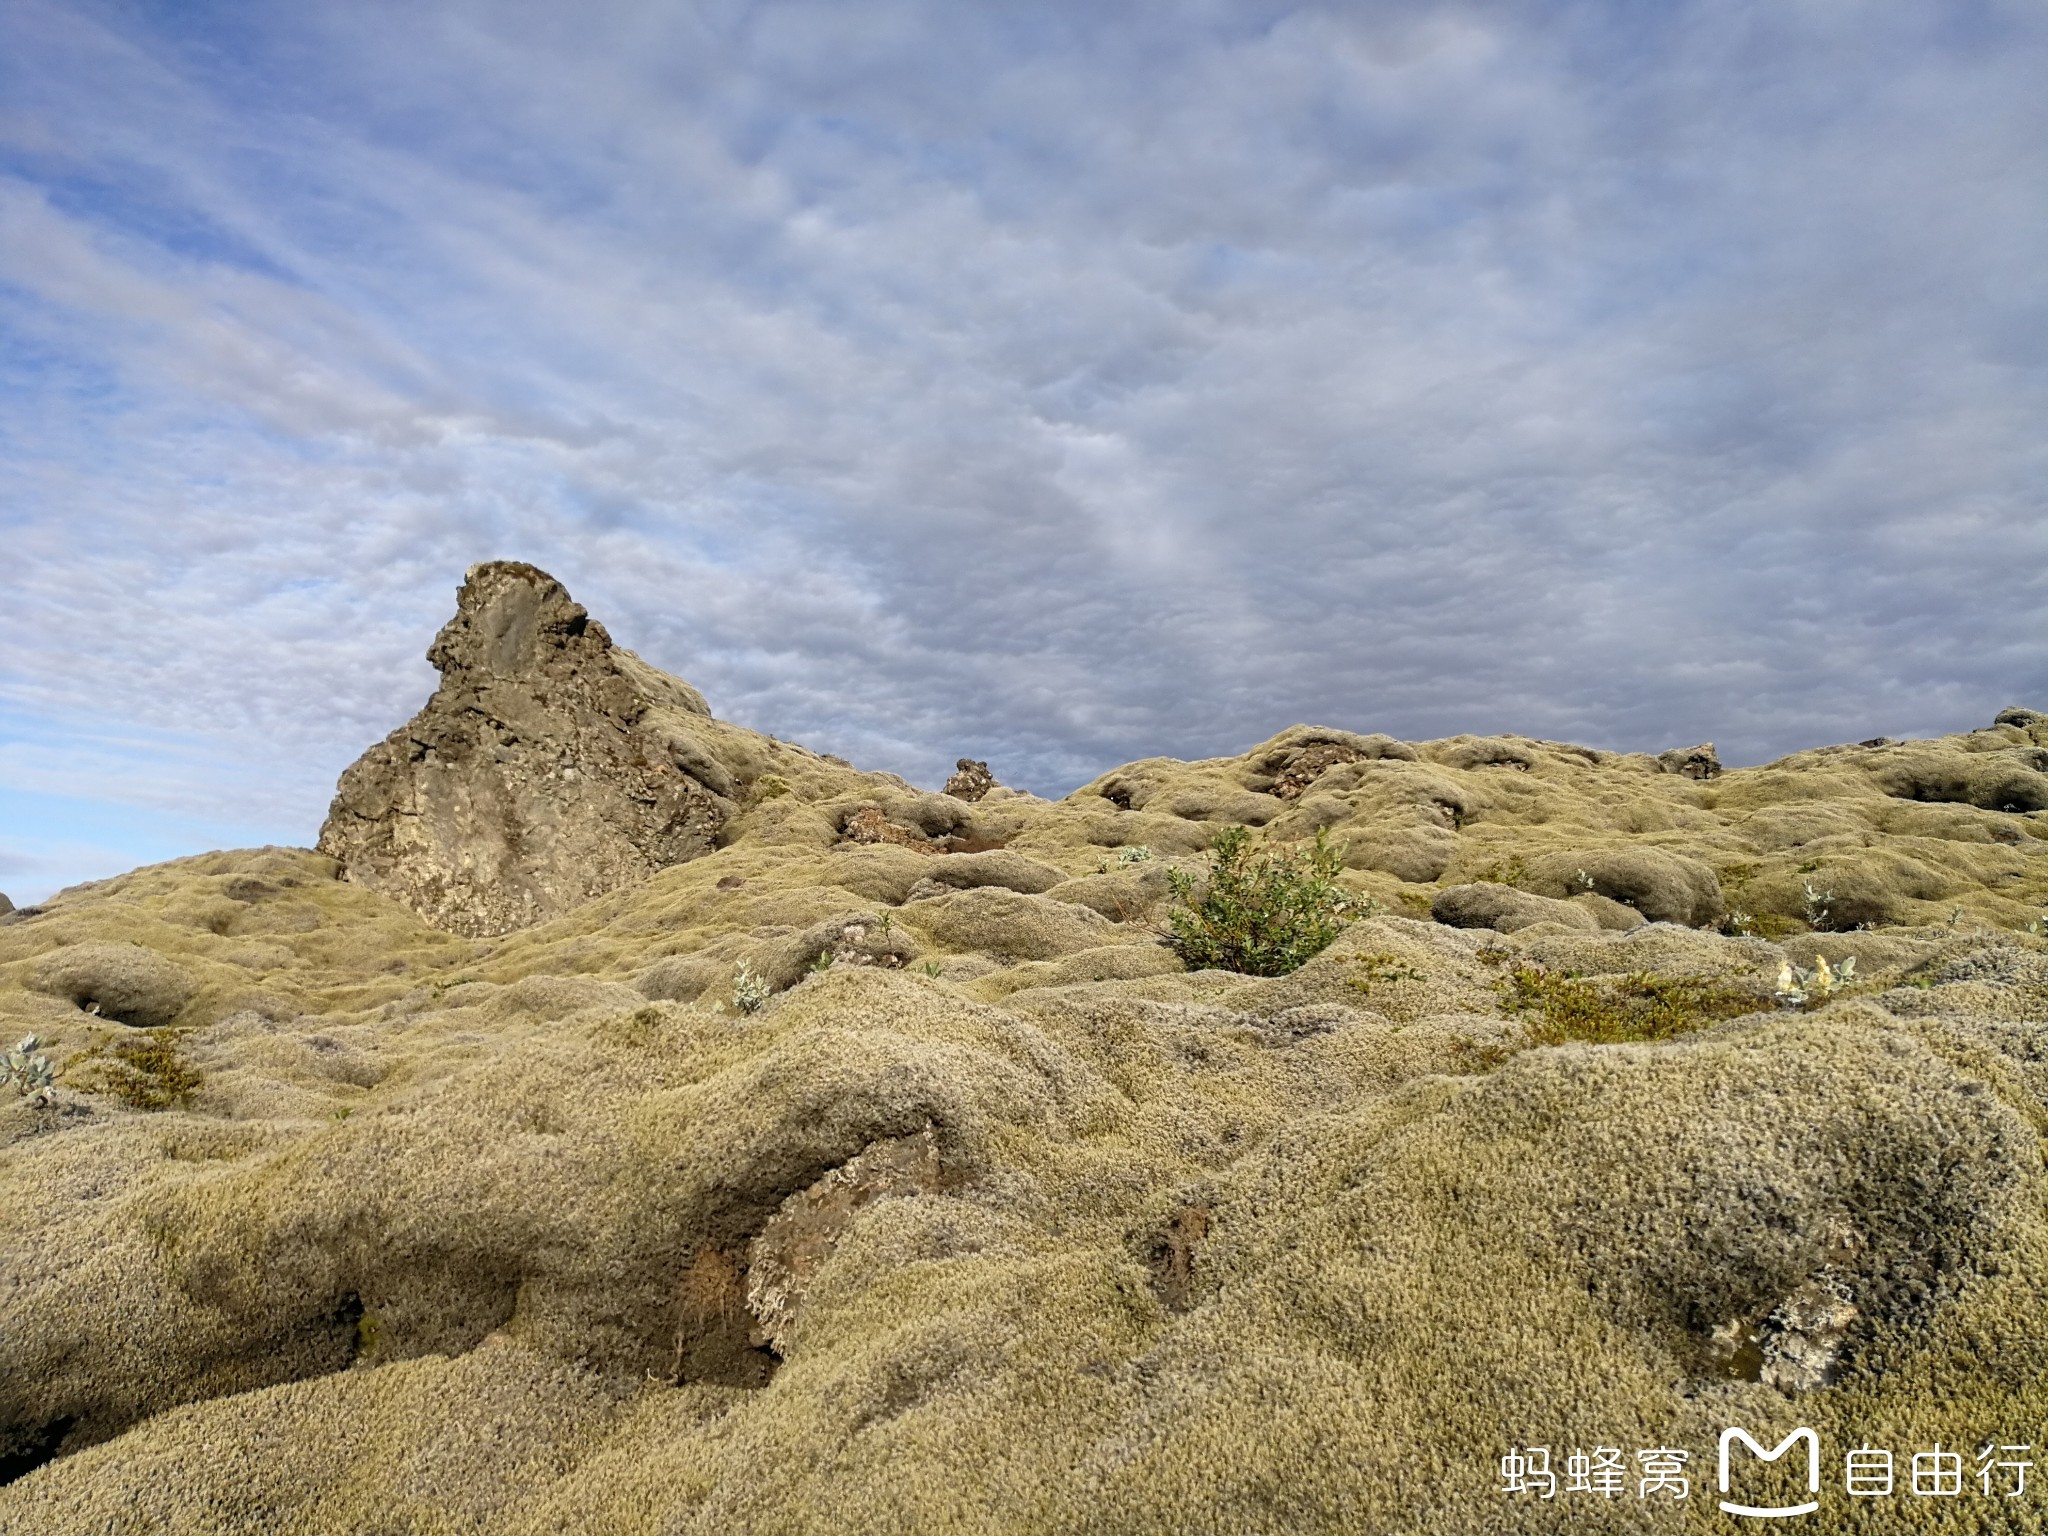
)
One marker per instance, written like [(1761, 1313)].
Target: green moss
[(1557, 1007), (144, 1070), (1513, 870)]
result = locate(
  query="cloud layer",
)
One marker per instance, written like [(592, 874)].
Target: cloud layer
[(1061, 387)]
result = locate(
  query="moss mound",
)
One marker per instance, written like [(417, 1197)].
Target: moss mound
[(993, 1216)]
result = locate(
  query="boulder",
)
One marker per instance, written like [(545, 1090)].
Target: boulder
[(1664, 887), (999, 866), (1698, 762), (971, 780), (549, 767), (1009, 925)]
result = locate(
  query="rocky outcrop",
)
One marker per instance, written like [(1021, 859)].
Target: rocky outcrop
[(971, 780), (550, 766)]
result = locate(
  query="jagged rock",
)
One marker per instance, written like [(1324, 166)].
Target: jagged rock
[(550, 766), (1698, 762), (870, 825), (972, 781), (800, 1237)]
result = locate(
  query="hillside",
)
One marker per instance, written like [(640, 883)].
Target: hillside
[(443, 1179)]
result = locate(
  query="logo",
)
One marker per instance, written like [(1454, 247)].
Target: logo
[(1774, 1511)]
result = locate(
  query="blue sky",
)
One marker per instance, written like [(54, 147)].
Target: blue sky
[(1058, 384)]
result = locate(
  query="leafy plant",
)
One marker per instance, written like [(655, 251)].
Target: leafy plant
[(1259, 914), (1558, 1006), (1819, 906), (932, 969), (30, 1073), (1135, 854), (1799, 987), (818, 966), (750, 989)]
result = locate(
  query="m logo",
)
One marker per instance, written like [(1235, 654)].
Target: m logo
[(1774, 1511)]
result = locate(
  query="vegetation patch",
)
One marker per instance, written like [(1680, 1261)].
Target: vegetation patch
[(144, 1071), (1560, 1006), (1259, 914)]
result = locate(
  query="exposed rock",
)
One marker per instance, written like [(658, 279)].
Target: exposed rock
[(1309, 765), (798, 1239), (870, 825), (549, 767), (6, 906), (971, 781), (1697, 762)]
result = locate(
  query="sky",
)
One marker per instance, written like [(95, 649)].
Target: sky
[(1057, 384)]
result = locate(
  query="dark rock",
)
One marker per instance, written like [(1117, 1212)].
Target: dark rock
[(548, 768), (1698, 762), (971, 781)]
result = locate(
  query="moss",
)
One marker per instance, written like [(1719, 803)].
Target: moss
[(1557, 1007), (144, 1071), (1513, 870)]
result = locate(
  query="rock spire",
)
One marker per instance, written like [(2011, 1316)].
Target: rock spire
[(550, 766)]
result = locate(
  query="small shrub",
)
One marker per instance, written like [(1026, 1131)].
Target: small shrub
[(1136, 854), (1557, 1007), (1261, 914)]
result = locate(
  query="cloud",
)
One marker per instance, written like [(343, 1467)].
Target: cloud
[(1062, 386)]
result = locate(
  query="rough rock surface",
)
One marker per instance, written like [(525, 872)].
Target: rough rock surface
[(971, 780), (549, 767)]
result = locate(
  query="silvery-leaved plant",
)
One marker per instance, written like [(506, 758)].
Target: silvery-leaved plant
[(750, 989), (1797, 985), (30, 1072), (1137, 853), (1819, 904)]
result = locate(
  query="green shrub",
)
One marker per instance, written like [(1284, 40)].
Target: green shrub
[(1261, 914)]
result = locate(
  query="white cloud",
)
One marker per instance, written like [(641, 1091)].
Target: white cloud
[(1062, 386)]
